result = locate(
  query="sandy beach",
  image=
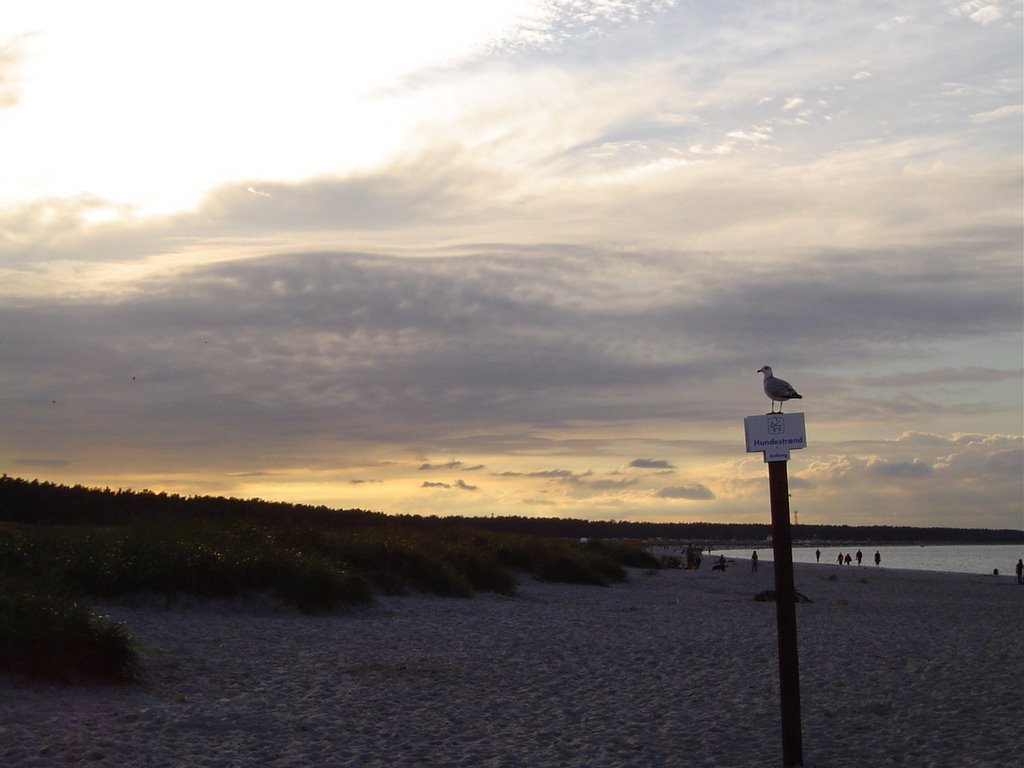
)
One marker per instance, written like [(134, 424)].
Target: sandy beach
[(672, 668)]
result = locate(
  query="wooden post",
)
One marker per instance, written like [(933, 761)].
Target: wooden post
[(785, 607)]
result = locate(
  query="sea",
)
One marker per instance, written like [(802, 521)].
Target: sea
[(953, 558)]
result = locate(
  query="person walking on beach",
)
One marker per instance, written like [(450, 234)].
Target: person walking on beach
[(860, 556), (848, 558), (840, 558), (753, 564), (878, 559), (817, 555), (1020, 571)]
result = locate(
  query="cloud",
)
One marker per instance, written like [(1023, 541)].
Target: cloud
[(550, 474), (399, 350), (605, 484), (1008, 112), (893, 23), (979, 11), (945, 480), (901, 469), (694, 492), (651, 464), (460, 485), (41, 462), (453, 464), (403, 194), (971, 375), (13, 52)]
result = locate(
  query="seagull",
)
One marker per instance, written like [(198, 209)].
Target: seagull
[(778, 390)]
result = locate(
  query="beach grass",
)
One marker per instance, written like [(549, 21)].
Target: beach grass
[(48, 573), (52, 637)]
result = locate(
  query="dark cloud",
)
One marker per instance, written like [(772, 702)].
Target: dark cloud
[(694, 492), (395, 349), (454, 464), (651, 464), (435, 190), (602, 484), (423, 190), (549, 474), (43, 463), (461, 485), (967, 375), (449, 465), (249, 364), (901, 469)]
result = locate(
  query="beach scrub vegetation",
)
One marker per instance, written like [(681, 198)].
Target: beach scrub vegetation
[(190, 559), (116, 545), (312, 569), (47, 637)]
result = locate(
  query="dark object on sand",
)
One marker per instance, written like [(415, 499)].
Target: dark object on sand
[(768, 596)]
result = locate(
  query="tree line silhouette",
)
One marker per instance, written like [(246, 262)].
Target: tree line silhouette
[(45, 503)]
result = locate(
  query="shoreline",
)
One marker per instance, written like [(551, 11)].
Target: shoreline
[(966, 559), (872, 568), (897, 668)]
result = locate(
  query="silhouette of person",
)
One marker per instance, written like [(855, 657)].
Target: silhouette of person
[(817, 555), (848, 558), (840, 558), (753, 562), (860, 556), (878, 559), (1020, 571)]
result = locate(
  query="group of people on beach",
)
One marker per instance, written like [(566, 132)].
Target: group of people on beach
[(847, 559), (693, 555)]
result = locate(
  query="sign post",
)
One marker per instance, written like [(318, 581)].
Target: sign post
[(775, 435)]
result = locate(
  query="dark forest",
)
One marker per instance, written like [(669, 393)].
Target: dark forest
[(37, 502)]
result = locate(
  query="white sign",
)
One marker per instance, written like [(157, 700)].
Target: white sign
[(775, 434)]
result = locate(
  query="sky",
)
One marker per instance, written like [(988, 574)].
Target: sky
[(517, 258)]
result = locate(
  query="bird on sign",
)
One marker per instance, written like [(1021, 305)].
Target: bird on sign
[(778, 390)]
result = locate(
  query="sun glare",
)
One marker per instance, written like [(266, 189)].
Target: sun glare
[(154, 108)]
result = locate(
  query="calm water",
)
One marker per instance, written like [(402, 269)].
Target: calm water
[(965, 558)]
